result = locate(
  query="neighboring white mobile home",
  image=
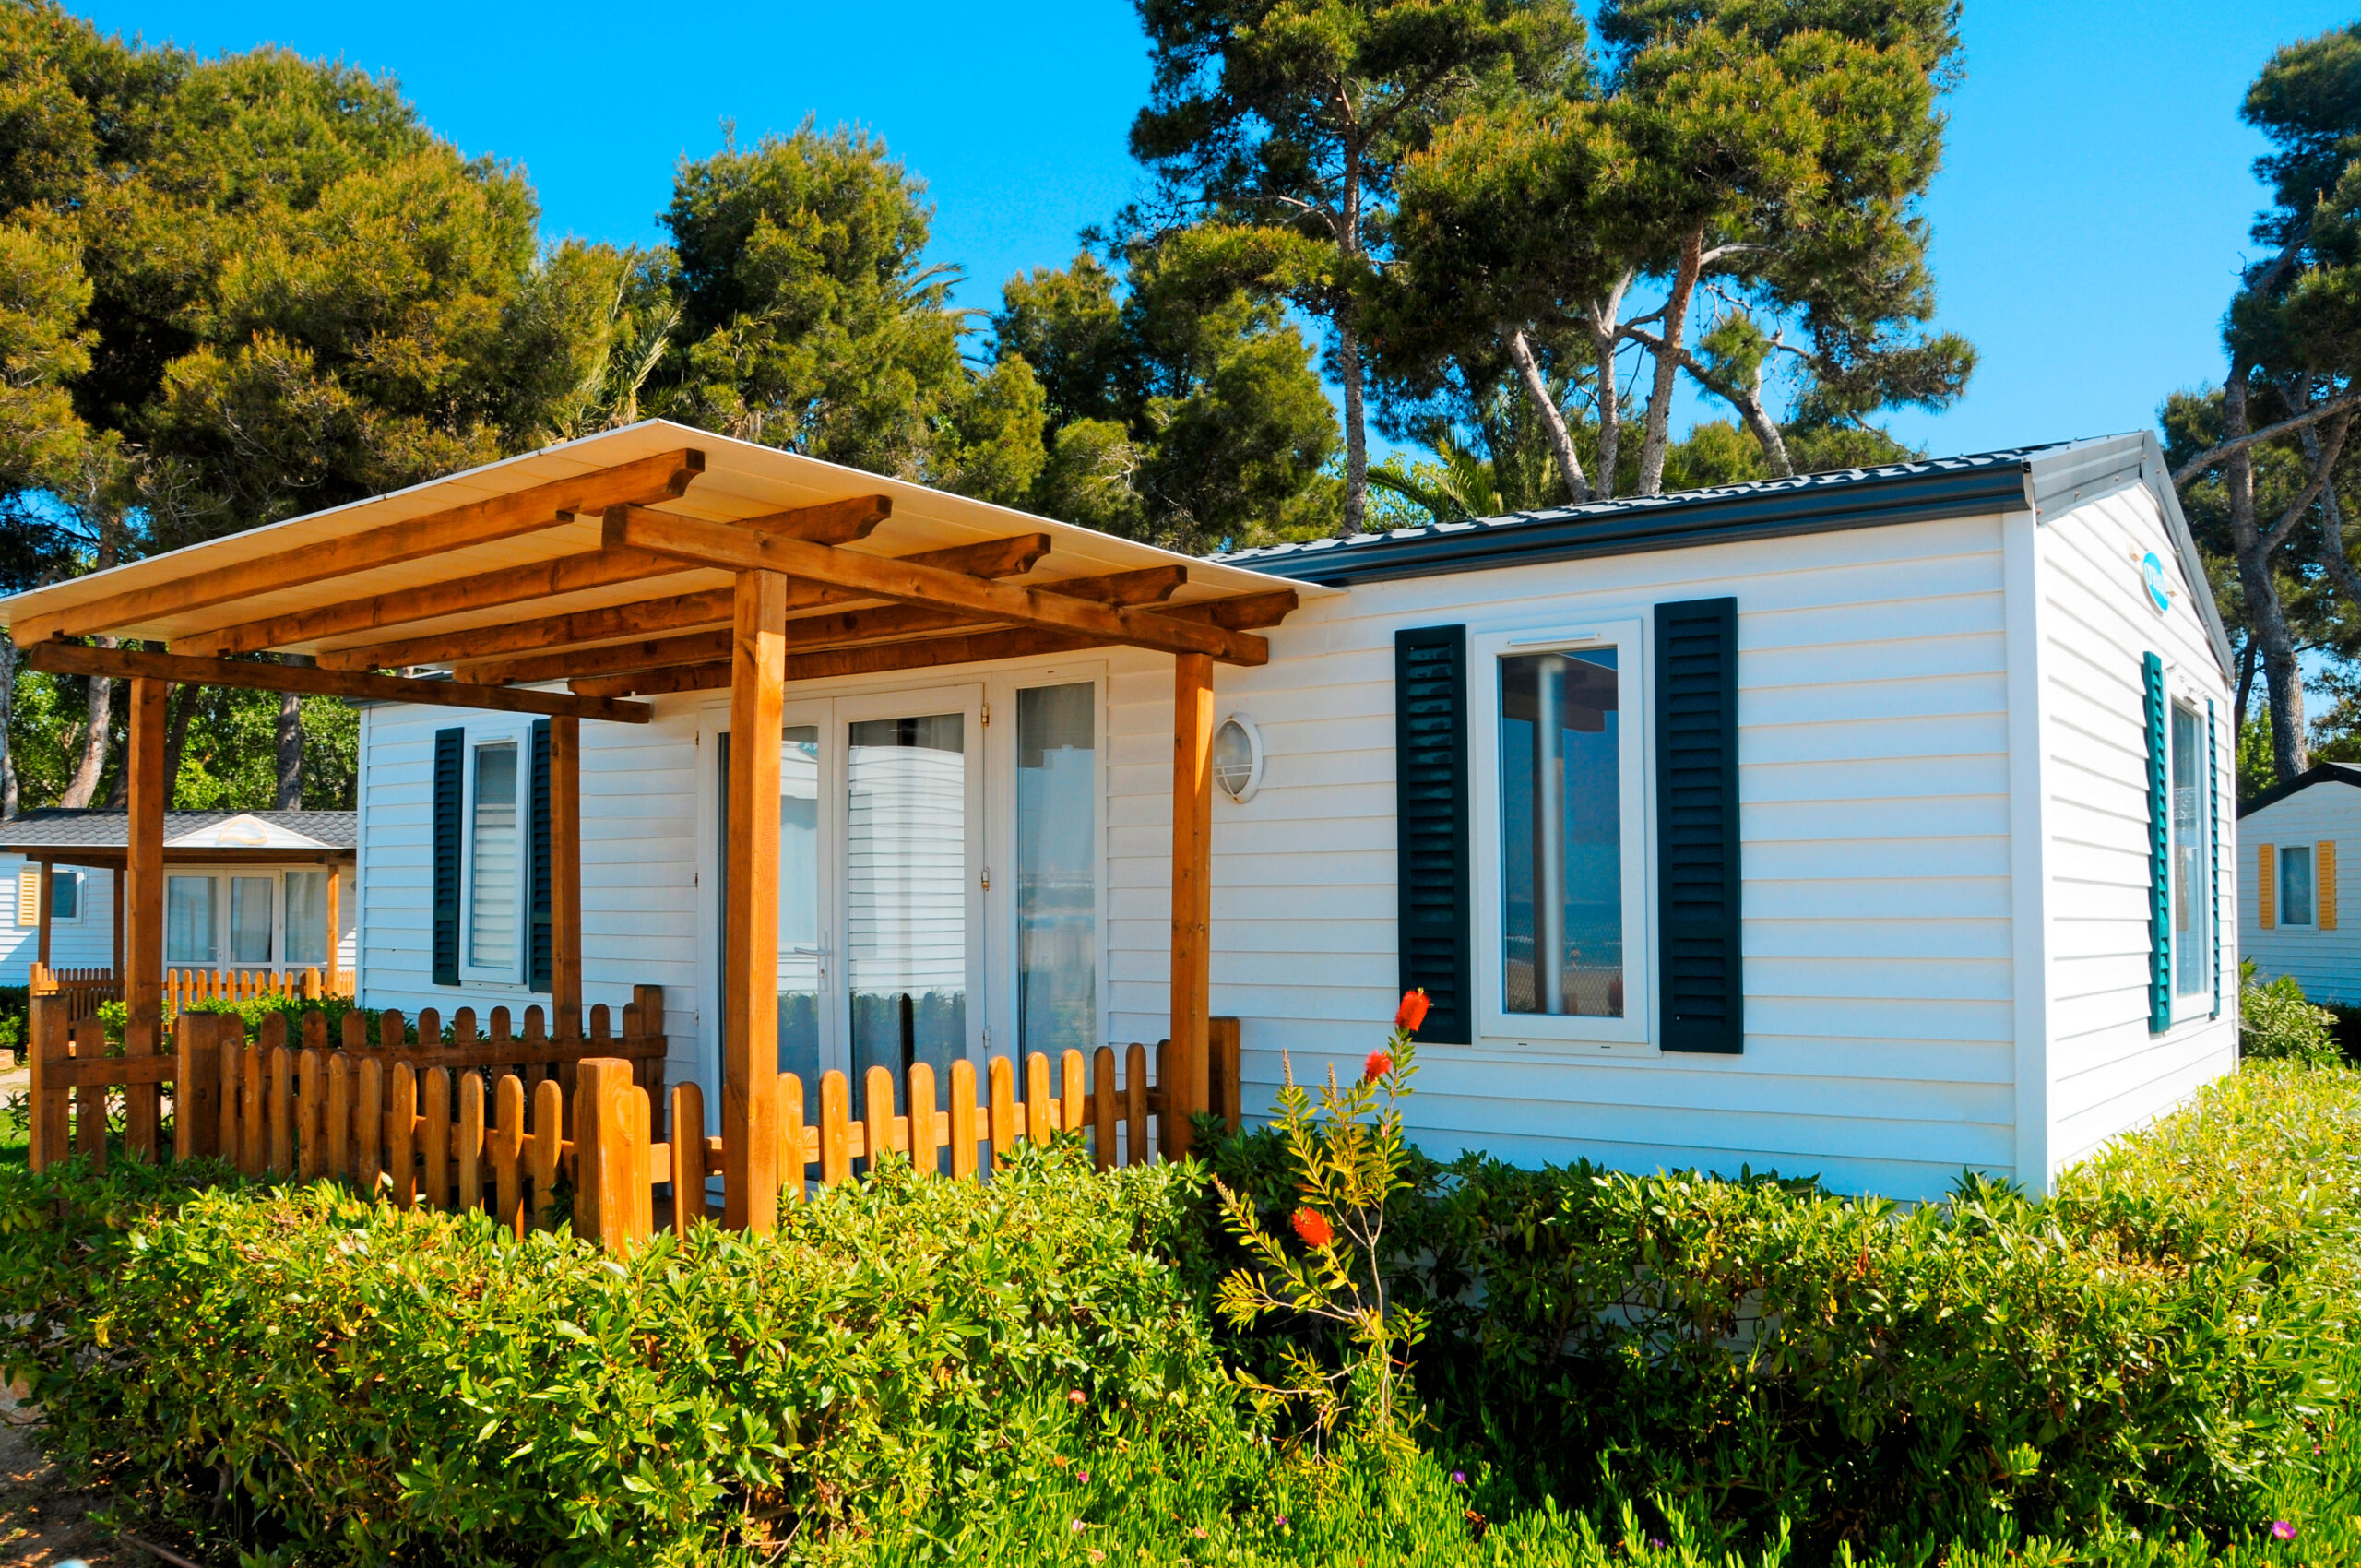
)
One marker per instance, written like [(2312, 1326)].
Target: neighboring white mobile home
[(242, 890), (1889, 832), (2288, 837)]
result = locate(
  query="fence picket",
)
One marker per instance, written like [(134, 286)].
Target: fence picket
[(925, 1121), (962, 1120), (340, 1116), (1102, 1108), (688, 1157), (549, 1129), (1135, 1148), (835, 1136), (278, 1115), (250, 1101), (877, 1092), (1003, 1091), (311, 1112), (470, 1153), (90, 1040), (795, 1138), (401, 1133), (435, 1136), (507, 1141)]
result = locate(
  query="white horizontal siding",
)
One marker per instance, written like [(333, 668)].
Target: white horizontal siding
[(2327, 964), (86, 942), (1874, 821), (2107, 1073), (639, 840)]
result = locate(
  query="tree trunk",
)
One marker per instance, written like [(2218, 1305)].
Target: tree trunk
[(1669, 355), (290, 744), (1604, 333), (2245, 689), (1553, 419), (2283, 680), (1766, 429), (2331, 535), (1348, 360), (8, 719), (82, 784)]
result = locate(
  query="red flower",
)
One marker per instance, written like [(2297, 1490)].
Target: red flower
[(1379, 1063), (1413, 1011), (1313, 1227)]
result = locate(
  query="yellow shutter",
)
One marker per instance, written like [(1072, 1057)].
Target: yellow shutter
[(2324, 857), (2266, 890), (29, 896)]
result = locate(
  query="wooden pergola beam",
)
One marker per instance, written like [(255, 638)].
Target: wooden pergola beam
[(120, 663), (636, 527), (996, 558), (1147, 584), (1017, 642), (486, 591), (659, 478)]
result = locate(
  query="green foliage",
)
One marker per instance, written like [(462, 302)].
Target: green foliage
[(375, 1385), (2275, 1022), (1347, 1161)]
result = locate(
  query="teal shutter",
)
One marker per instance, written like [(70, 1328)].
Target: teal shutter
[(1430, 813), (2213, 851), (450, 753), (539, 977), (1702, 976), (2160, 909)]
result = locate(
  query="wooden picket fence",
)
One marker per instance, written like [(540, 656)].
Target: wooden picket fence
[(182, 987), (497, 1121), (80, 991)]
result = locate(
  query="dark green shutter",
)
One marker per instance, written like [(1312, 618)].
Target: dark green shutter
[(538, 979), (450, 760), (2213, 852), (1430, 824), (2160, 907), (1703, 979)]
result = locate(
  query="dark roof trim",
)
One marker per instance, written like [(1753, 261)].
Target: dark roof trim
[(2042, 479), (2322, 773), (61, 827), (1771, 509)]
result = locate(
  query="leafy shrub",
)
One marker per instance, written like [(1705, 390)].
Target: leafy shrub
[(2152, 1345), (2275, 1022), (15, 1001), (368, 1385)]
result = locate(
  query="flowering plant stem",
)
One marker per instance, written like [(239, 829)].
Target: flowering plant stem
[(1347, 1157)]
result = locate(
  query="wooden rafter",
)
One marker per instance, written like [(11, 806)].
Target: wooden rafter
[(1147, 585), (1024, 642), (994, 558), (718, 544), (77, 658), (486, 591), (659, 478)]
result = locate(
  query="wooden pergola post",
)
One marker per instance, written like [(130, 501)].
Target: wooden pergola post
[(1192, 835), (565, 875), (143, 928), (335, 918), (48, 896), (750, 910)]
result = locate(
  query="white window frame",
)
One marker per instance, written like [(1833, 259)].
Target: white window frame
[(2197, 1003), (1635, 1032), (220, 922), (2279, 884), (1000, 826), (81, 896), (225, 917), (474, 737)]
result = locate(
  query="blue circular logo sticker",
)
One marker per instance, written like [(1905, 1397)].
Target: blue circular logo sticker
[(2152, 578)]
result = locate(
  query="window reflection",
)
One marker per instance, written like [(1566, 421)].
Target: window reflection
[(1561, 834)]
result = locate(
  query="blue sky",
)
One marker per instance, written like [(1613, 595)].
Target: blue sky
[(2090, 219)]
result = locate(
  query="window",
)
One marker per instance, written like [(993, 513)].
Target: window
[(2294, 884), (906, 866), (1561, 859), (189, 936), (64, 895), (250, 911), (2192, 890), (1057, 854), (307, 917), (495, 863)]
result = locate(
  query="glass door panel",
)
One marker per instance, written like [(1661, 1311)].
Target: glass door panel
[(905, 890), (250, 919), (802, 951)]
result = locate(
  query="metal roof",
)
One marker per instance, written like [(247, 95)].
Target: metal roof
[(56, 827), (2318, 773), (2042, 479)]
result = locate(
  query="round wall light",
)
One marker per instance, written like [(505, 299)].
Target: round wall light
[(1237, 757)]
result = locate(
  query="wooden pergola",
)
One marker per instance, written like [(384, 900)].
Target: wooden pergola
[(650, 559)]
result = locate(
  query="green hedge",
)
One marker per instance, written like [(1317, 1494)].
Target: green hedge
[(371, 1386), (2152, 1345)]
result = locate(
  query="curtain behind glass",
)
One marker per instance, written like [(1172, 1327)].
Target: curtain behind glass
[(188, 920), (250, 919), (493, 941), (799, 904), (307, 917), (906, 852), (1056, 886)]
